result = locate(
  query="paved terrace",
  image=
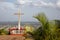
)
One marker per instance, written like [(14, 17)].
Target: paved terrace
[(13, 37)]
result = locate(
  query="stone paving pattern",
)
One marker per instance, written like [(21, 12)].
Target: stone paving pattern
[(11, 37)]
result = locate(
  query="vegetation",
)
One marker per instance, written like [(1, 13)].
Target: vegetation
[(3, 31), (49, 30)]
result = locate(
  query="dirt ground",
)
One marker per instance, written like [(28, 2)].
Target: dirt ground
[(11, 37)]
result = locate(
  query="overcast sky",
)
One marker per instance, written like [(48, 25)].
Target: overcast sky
[(30, 8)]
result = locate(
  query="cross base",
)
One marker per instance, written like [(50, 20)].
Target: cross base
[(16, 31)]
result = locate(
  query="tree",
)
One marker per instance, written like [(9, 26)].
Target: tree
[(58, 29), (47, 30), (44, 29), (3, 31)]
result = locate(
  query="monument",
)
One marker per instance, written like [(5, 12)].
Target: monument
[(19, 29)]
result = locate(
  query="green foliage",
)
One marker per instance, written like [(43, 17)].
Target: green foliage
[(3, 31), (41, 18), (49, 29), (58, 29)]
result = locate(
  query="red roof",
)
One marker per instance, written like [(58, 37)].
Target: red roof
[(14, 28)]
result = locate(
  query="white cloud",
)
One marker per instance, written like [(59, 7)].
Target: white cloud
[(58, 3), (24, 1), (38, 3), (7, 5), (42, 3), (7, 9)]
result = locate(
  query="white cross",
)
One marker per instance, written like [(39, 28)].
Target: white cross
[(19, 19)]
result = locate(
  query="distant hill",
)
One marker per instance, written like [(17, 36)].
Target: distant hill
[(15, 23)]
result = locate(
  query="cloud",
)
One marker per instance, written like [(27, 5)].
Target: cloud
[(7, 9), (7, 5), (24, 1), (1, 0), (58, 3), (40, 3)]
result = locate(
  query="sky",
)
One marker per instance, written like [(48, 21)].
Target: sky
[(29, 8)]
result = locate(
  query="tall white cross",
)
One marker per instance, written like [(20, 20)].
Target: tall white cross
[(19, 19)]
